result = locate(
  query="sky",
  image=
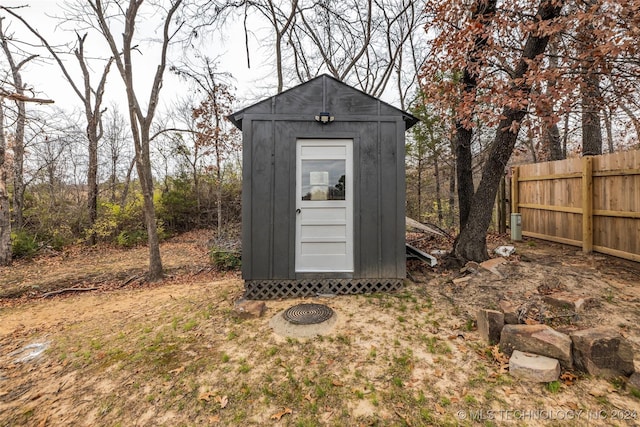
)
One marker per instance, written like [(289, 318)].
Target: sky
[(47, 81)]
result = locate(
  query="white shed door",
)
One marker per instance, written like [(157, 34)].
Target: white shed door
[(324, 207)]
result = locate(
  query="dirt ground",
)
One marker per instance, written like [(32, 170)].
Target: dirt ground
[(130, 353)]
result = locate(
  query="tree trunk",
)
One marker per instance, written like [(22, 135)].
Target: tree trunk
[(609, 128), (419, 218), (591, 127), (18, 143), (590, 91), (5, 215), (464, 133), (92, 179), (471, 243), (552, 142), (452, 195), (436, 173), (551, 133), (18, 158), (127, 183), (146, 182), (565, 135), (464, 172), (219, 190), (18, 172)]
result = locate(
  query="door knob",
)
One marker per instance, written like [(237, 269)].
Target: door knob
[(298, 211)]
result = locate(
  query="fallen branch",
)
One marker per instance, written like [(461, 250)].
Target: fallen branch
[(203, 269), (130, 279), (62, 291)]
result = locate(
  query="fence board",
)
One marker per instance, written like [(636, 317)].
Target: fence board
[(593, 202)]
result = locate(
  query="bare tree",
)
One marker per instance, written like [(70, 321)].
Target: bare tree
[(5, 217), (365, 43), (18, 146), (471, 242), (213, 134), (358, 42), (17, 94), (140, 120), (281, 24), (92, 102)]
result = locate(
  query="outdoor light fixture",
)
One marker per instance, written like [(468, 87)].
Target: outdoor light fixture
[(324, 118)]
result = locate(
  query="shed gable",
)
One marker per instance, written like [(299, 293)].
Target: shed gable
[(323, 93)]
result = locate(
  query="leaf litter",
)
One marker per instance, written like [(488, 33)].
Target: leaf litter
[(160, 354)]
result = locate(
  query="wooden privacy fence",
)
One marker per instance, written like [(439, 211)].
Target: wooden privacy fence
[(592, 202)]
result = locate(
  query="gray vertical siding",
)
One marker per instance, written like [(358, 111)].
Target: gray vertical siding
[(283, 195), (388, 191), (270, 130), (261, 200)]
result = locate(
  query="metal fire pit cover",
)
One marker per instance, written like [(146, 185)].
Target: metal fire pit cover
[(307, 314)]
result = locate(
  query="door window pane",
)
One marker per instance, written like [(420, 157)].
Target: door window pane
[(323, 179)]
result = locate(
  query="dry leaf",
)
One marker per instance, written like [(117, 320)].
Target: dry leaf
[(281, 414), (214, 419), (498, 355), (337, 383), (440, 409), (205, 395), (464, 392), (309, 398), (438, 373), (223, 401), (568, 378), (572, 405)]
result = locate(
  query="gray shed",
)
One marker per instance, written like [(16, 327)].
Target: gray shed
[(323, 193)]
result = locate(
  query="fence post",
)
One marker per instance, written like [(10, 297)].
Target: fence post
[(587, 204), (502, 207)]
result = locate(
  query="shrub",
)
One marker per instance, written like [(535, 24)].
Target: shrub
[(178, 206), (23, 244), (123, 225), (224, 259)]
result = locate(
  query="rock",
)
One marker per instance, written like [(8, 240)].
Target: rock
[(505, 251), (537, 339), (510, 313), (576, 303), (491, 264), (634, 380), (533, 367), (603, 352), (490, 323), (249, 309)]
